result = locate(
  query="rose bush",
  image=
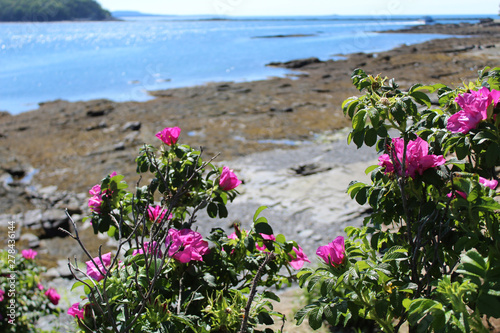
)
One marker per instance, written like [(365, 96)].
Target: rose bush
[(429, 252), (23, 299), (166, 277)]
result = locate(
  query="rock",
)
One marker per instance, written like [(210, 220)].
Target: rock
[(294, 64), (309, 169), (99, 108), (32, 219), (131, 137), (132, 126), (32, 240), (102, 124), (5, 219), (119, 146), (289, 109), (223, 87), (52, 220)]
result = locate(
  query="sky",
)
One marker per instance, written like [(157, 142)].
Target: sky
[(305, 7)]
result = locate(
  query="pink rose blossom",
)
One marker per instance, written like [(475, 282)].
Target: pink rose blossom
[(95, 200), (40, 286), (298, 260), (228, 179), (75, 311), (29, 254), (157, 213), (186, 245), (53, 296), (417, 157), (93, 271), (488, 183), (463, 121), (474, 109), (169, 135), (333, 253), (151, 248), (233, 236), (271, 238), (1, 295)]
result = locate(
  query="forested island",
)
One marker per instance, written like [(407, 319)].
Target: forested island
[(51, 10)]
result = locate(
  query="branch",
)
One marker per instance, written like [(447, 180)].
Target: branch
[(253, 290)]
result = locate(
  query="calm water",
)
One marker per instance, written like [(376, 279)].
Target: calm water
[(122, 60)]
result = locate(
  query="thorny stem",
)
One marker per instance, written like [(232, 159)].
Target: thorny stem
[(253, 290)]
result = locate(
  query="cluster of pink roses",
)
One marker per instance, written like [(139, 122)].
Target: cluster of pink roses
[(95, 200), (51, 293), (474, 109), (417, 158)]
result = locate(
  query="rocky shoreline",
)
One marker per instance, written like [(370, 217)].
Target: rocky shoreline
[(283, 136)]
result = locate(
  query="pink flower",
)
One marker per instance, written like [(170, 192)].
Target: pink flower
[(462, 194), (333, 253), (266, 238), (156, 213), (233, 236), (489, 183), (186, 245), (40, 286), (228, 179), (93, 271), (95, 200), (151, 248), (298, 260), (463, 121), (169, 135), (75, 311), (474, 109), (417, 157), (53, 296), (29, 254), (1, 295)]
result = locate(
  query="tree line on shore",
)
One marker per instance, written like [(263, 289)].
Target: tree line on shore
[(51, 10)]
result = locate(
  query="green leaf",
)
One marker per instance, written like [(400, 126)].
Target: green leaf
[(371, 137), (222, 211), (421, 98), (271, 295), (212, 210), (492, 154), (431, 88), (358, 121), (257, 212), (473, 265), (371, 168), (316, 318), (263, 228)]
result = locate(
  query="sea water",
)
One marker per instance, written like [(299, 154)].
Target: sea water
[(123, 60)]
